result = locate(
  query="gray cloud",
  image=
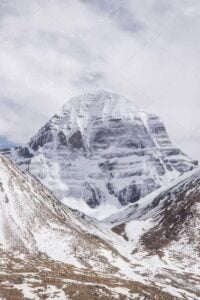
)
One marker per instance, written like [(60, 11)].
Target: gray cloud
[(118, 11), (147, 50)]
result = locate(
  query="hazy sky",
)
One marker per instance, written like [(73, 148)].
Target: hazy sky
[(147, 50)]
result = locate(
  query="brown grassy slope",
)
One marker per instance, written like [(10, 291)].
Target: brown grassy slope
[(39, 273)]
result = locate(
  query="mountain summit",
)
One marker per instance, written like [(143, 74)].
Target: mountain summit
[(101, 152)]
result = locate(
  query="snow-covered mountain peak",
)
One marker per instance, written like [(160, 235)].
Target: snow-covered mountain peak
[(99, 154), (85, 109), (101, 103), (101, 151)]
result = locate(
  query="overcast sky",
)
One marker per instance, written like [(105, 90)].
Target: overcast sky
[(146, 50)]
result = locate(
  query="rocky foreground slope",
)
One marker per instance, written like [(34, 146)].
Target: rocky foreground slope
[(149, 250), (50, 252), (101, 152)]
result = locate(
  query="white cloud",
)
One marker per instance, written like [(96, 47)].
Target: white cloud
[(147, 50)]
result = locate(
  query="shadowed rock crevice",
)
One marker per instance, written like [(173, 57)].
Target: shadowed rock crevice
[(76, 140)]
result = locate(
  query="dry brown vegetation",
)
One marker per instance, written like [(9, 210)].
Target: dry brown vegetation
[(39, 273), (175, 217)]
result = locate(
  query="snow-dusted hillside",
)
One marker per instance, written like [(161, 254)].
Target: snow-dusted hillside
[(162, 232), (149, 249), (102, 152), (49, 251), (33, 221)]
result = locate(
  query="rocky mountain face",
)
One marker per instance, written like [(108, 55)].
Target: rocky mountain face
[(101, 152)]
